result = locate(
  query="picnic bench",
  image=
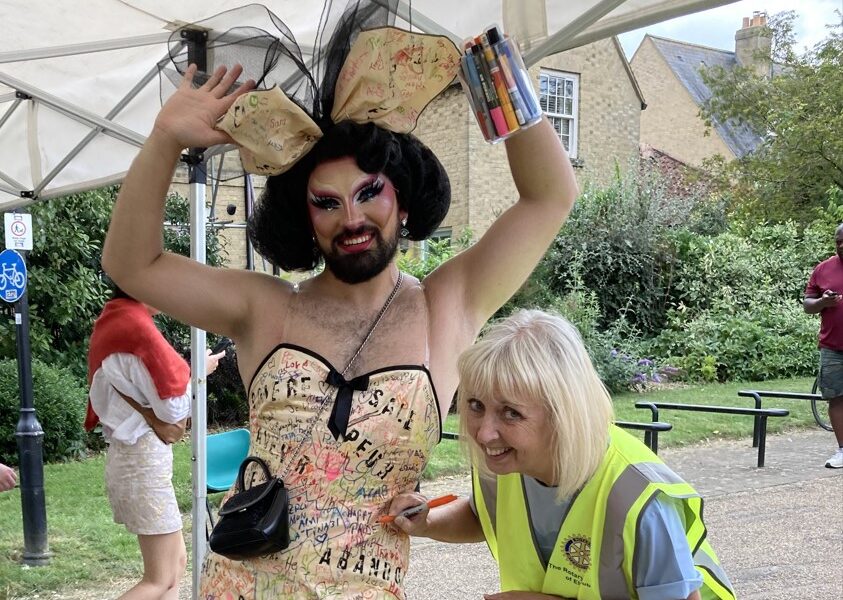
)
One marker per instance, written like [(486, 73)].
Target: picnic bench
[(761, 414), (651, 432)]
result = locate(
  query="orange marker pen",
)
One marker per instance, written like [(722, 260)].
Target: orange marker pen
[(414, 510), (492, 102), (499, 83)]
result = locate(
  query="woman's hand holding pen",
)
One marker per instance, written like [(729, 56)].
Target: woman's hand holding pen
[(414, 525), (187, 119)]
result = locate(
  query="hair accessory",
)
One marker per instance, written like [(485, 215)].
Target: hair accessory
[(388, 78)]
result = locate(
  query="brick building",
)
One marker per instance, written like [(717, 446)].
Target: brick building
[(589, 93), (669, 73)]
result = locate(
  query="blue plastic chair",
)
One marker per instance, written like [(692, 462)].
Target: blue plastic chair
[(224, 453)]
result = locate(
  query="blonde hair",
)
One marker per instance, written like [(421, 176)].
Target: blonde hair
[(535, 355)]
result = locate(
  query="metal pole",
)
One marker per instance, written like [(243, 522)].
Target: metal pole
[(30, 438), (197, 53)]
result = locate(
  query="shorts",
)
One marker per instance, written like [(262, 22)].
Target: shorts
[(831, 373), (139, 483)]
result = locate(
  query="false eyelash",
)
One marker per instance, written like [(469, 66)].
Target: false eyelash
[(371, 190), (323, 202)]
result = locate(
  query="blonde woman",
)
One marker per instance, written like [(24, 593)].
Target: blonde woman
[(570, 505)]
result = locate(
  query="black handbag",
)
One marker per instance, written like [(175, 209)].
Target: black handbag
[(254, 521)]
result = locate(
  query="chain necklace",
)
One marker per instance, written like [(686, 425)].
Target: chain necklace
[(318, 415), (386, 304)]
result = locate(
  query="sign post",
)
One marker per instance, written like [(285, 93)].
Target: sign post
[(29, 433)]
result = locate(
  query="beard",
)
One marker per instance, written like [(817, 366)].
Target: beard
[(362, 266)]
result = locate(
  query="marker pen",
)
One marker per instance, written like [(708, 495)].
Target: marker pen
[(500, 84), (414, 510), (533, 110), (489, 90), (511, 86), (478, 99)]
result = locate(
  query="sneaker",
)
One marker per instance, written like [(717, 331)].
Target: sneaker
[(836, 461)]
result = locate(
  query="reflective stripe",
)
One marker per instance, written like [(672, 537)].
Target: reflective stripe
[(536, 546), (489, 490), (658, 472), (626, 490), (703, 559)]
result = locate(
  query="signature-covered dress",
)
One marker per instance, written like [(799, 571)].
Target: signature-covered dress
[(338, 487)]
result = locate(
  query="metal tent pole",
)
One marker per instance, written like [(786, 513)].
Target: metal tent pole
[(197, 53)]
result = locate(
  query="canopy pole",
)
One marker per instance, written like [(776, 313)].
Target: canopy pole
[(197, 53)]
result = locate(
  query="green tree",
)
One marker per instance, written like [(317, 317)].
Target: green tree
[(799, 115), (66, 286)]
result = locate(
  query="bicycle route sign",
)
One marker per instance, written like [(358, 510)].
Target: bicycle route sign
[(12, 275)]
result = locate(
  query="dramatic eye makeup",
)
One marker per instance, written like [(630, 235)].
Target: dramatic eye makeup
[(370, 190), (324, 202)]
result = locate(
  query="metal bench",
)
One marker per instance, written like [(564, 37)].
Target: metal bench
[(651, 432), (760, 414)]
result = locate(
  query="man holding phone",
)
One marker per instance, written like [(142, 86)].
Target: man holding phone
[(822, 296)]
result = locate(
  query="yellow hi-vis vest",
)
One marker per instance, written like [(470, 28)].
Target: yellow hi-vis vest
[(594, 556)]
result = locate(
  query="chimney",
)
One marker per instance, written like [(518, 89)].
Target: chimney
[(753, 42)]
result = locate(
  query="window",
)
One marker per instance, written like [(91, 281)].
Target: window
[(559, 95)]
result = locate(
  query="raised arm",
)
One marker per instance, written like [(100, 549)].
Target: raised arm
[(133, 255), (486, 275)]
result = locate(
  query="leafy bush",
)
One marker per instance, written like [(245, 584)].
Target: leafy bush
[(614, 351), (770, 338), (60, 400), (419, 264), (619, 242)]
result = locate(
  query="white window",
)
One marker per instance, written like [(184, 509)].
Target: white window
[(559, 95)]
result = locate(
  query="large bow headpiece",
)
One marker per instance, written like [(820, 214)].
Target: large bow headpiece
[(388, 78)]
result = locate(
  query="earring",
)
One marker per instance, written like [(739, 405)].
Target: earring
[(404, 231)]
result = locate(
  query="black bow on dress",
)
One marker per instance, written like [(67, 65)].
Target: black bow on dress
[(338, 421)]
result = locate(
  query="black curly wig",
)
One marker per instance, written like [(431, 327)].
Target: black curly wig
[(280, 228)]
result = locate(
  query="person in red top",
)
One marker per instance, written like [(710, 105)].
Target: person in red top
[(823, 296), (140, 393)]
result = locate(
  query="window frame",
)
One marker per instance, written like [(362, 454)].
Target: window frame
[(573, 136)]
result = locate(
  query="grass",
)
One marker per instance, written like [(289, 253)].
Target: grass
[(90, 550)]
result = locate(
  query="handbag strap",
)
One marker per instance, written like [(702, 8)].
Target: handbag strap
[(375, 323), (241, 474), (254, 459)]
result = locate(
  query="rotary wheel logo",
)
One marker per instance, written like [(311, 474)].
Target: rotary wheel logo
[(578, 551)]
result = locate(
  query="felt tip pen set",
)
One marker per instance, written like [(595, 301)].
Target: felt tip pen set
[(498, 85)]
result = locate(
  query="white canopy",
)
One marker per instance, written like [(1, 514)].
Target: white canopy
[(79, 89)]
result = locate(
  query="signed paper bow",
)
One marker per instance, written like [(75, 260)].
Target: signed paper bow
[(388, 78)]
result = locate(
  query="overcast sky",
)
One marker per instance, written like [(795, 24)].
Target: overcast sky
[(716, 27)]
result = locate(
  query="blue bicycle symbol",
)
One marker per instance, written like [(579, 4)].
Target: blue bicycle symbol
[(12, 277)]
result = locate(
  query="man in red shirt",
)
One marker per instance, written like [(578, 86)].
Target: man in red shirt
[(823, 296)]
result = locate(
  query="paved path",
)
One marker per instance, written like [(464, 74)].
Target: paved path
[(778, 530)]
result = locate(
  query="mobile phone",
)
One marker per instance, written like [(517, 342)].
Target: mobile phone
[(222, 344)]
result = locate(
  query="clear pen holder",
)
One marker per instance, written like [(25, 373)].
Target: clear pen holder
[(498, 86)]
